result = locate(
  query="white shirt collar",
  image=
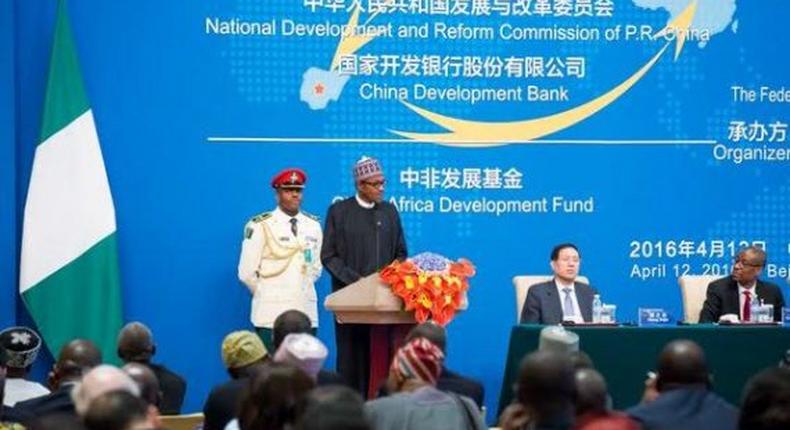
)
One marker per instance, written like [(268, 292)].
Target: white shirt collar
[(562, 285), (363, 203), (279, 213), (752, 290)]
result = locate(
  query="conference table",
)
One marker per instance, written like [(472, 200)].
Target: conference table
[(624, 355)]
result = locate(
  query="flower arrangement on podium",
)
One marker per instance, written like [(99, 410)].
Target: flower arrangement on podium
[(431, 285)]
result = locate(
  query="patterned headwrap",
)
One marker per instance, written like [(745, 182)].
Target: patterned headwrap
[(21, 344), (365, 168), (419, 359)]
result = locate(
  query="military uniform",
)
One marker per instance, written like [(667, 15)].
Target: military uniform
[(280, 260), (280, 269)]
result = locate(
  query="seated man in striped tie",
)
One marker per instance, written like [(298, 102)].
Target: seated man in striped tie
[(562, 298)]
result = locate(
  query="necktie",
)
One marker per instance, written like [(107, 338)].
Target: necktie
[(293, 226), (747, 306), (567, 303)]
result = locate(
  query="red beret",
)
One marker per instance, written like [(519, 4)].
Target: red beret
[(289, 178)]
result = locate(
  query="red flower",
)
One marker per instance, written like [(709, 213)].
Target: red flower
[(429, 294)]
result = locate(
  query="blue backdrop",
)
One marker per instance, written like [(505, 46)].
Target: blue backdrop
[(197, 107)]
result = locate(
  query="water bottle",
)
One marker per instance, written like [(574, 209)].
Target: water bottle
[(756, 309), (597, 305)]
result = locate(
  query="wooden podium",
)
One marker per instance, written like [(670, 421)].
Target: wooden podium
[(370, 301)]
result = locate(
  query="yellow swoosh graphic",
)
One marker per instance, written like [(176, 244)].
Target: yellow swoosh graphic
[(469, 133)]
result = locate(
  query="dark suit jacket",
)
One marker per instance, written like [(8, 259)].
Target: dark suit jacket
[(10, 415), (222, 403), (56, 402), (223, 400), (686, 409), (173, 388), (722, 298), (455, 383), (328, 377), (543, 305)]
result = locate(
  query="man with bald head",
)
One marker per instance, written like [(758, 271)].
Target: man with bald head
[(99, 380), (146, 380), (734, 294), (75, 359), (592, 404), (684, 400), (136, 345)]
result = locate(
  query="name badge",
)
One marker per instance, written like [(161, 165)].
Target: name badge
[(786, 316), (308, 255), (654, 317)]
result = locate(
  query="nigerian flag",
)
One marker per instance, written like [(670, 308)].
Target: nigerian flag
[(69, 276)]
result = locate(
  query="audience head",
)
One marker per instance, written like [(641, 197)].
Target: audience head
[(22, 345), (431, 331), (591, 393), (304, 351), (555, 338), (242, 353), (75, 358), (766, 401), (681, 363), (289, 322), (547, 386), (55, 422), (419, 362), (748, 265), (136, 343), (147, 381), (273, 397), (565, 262), (117, 410), (334, 407), (100, 380)]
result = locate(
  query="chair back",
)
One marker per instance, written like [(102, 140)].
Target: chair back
[(182, 422), (693, 290), (523, 283)]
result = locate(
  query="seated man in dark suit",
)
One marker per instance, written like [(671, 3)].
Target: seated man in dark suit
[(244, 355), (734, 294), (685, 401), (136, 345), (75, 359), (562, 298)]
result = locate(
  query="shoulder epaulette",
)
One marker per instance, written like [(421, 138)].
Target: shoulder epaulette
[(254, 220), (309, 215), (261, 217)]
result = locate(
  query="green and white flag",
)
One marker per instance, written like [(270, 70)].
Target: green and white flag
[(69, 276)]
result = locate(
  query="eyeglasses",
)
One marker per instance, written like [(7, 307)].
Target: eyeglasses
[(375, 184), (745, 262)]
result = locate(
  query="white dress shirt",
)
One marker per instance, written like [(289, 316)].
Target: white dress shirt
[(18, 390), (364, 204)]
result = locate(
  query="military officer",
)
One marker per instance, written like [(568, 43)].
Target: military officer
[(280, 257)]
